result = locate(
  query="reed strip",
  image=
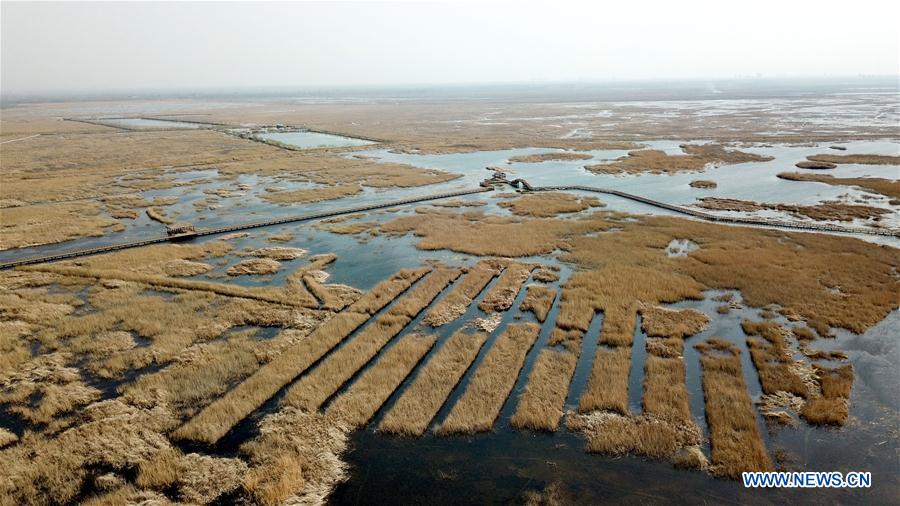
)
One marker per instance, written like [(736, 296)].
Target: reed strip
[(219, 417), (607, 386), (735, 440), (618, 326), (538, 300), (665, 391), (541, 404), (455, 303), (833, 407), (327, 300), (311, 391), (361, 401), (422, 399), (772, 358), (502, 295), (276, 296), (480, 404)]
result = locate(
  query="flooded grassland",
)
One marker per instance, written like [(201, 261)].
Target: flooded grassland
[(509, 346)]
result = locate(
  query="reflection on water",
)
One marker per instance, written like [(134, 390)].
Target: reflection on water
[(149, 124), (308, 140)]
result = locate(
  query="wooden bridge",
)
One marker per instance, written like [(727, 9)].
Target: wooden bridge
[(767, 222), (235, 228), (485, 186)]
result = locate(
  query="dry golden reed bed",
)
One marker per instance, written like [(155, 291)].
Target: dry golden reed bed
[(854, 158), (773, 358), (665, 391), (454, 304), (549, 204), (697, 158), (319, 384), (538, 299), (490, 385), (540, 406), (734, 436), (216, 419), (832, 407), (837, 211), (361, 401), (502, 295), (550, 157), (607, 387), (887, 187), (422, 400), (629, 266)]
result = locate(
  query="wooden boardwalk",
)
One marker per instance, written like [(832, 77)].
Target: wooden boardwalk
[(486, 186), (235, 228)]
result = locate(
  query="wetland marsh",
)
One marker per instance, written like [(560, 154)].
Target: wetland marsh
[(508, 345)]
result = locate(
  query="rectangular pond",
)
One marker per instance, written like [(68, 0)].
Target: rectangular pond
[(149, 124), (306, 139)]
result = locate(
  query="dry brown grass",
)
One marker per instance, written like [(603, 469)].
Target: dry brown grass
[(538, 299), (157, 214), (665, 392), (630, 265), (548, 204), (372, 301), (476, 233), (50, 469), (322, 382), (480, 404), (311, 195), (860, 159), (454, 304), (806, 164), (615, 434), (7, 438), (169, 324), (457, 203), (540, 405), (887, 187), (422, 400), (607, 387), (285, 296), (52, 223), (550, 157), (202, 373), (697, 158), (280, 253), (425, 292), (661, 322), (313, 389), (545, 275), (833, 407), (502, 295), (361, 401), (57, 387), (826, 411), (295, 457), (703, 183), (773, 358), (828, 211), (186, 268), (216, 419), (254, 266), (329, 296), (734, 436)]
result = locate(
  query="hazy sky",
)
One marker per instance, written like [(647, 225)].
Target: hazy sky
[(58, 47)]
